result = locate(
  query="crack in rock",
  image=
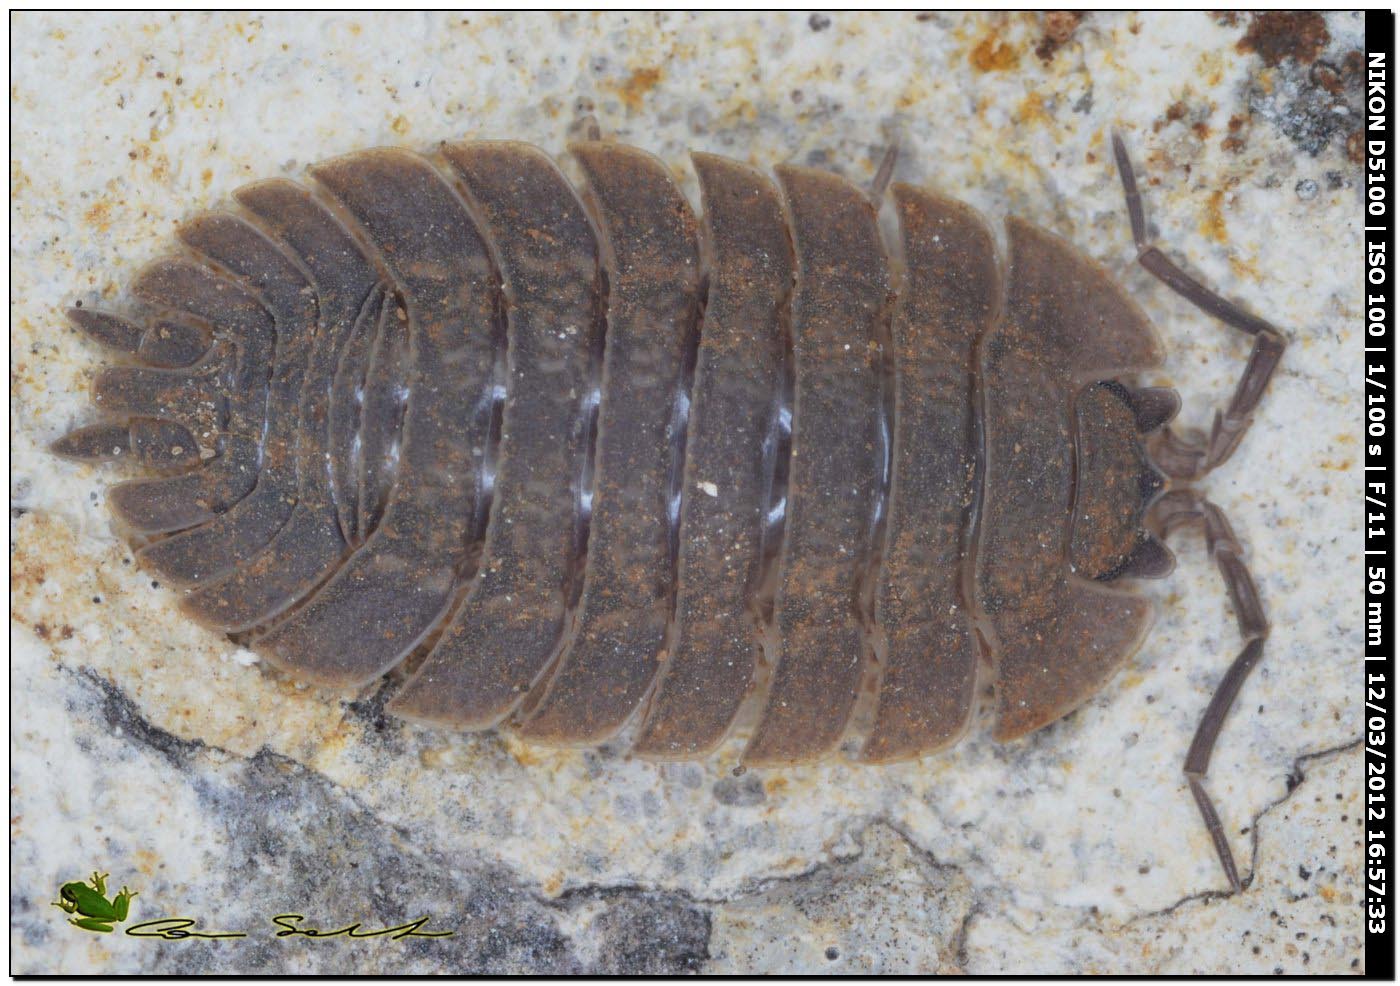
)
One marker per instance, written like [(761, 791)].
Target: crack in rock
[(1294, 780), (123, 718), (890, 908)]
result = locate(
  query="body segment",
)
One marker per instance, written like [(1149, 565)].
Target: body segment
[(653, 313), (504, 633), (925, 623), (841, 293), (735, 404)]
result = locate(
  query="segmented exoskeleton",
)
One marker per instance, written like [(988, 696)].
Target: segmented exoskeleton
[(587, 459)]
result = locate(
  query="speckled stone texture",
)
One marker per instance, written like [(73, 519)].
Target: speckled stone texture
[(146, 747)]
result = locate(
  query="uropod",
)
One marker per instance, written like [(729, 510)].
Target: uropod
[(578, 460)]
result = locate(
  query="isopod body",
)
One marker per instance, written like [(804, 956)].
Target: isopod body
[(589, 460)]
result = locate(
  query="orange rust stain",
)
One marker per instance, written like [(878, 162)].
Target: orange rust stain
[(1032, 110), (524, 754), (1234, 142), (634, 89), (908, 99), (992, 55), (1245, 270), (1059, 27), (1280, 34), (99, 215), (1213, 225), (160, 168), (146, 862), (1211, 69)]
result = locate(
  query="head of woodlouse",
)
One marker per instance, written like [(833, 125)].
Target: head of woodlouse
[(1116, 482)]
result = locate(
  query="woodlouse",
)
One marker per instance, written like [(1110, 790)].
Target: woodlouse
[(584, 455)]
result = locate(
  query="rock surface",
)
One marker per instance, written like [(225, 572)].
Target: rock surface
[(222, 791)]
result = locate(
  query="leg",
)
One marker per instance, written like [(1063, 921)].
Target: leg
[(883, 174), (1174, 510), (1269, 343)]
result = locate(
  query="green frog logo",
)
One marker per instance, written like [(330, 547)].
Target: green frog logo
[(95, 912)]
